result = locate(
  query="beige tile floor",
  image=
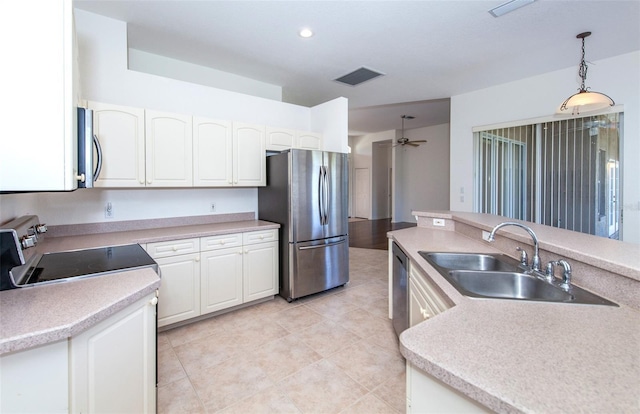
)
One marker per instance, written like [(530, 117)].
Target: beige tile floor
[(334, 352)]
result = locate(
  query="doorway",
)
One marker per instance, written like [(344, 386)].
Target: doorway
[(362, 190)]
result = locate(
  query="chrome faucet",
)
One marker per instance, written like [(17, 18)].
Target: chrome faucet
[(535, 260)]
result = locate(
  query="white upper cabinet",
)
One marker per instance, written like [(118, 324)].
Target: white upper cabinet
[(279, 139), (120, 131), (169, 150), (249, 155), (309, 140), (39, 147), (212, 153)]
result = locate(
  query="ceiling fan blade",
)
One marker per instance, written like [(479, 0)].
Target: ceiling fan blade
[(419, 140), (412, 144)]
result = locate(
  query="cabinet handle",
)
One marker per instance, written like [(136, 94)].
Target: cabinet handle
[(141, 181), (175, 249), (261, 237), (153, 301), (197, 258), (424, 313)]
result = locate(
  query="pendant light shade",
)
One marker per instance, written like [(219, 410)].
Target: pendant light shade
[(584, 100)]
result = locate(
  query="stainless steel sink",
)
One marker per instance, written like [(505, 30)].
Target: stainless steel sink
[(506, 285), (498, 276), (471, 261)]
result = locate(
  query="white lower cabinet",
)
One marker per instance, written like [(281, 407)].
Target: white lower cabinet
[(35, 380), (425, 394), (218, 272), (260, 271), (113, 364), (239, 268), (179, 262), (221, 279), (424, 300), (180, 288), (111, 367)]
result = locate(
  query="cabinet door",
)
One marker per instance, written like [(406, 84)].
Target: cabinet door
[(435, 301), (120, 130), (419, 308), (169, 149), (309, 140), (221, 279), (260, 271), (35, 380), (249, 155), (212, 153), (180, 289), (280, 139), (113, 364), (38, 128)]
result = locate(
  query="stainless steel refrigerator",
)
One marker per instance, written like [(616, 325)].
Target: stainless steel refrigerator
[(307, 194)]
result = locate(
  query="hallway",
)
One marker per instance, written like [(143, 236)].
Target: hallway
[(372, 234)]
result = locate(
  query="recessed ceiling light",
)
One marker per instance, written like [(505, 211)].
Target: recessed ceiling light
[(306, 32)]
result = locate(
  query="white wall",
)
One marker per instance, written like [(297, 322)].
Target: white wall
[(539, 96), (105, 77), (146, 62), (334, 129), (422, 173)]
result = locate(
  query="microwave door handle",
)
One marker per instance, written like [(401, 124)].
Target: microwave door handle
[(96, 142)]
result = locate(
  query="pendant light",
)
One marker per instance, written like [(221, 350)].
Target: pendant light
[(584, 100)]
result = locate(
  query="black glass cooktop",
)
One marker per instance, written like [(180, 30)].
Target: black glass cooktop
[(82, 263)]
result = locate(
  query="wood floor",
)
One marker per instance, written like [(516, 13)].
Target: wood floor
[(372, 234)]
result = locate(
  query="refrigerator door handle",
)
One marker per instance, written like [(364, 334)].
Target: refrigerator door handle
[(326, 195), (320, 246), (321, 196)]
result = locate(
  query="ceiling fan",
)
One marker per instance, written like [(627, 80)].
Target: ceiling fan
[(406, 141)]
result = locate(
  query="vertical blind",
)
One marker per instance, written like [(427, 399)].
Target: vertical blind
[(560, 173)]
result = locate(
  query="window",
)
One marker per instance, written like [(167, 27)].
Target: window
[(559, 173)]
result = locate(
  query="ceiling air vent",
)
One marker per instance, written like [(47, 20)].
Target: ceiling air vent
[(358, 76)]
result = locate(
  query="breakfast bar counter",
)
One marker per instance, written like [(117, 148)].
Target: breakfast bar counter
[(516, 356)]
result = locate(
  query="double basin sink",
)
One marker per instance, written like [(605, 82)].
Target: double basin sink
[(498, 276)]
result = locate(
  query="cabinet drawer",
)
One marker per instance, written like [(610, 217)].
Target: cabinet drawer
[(173, 247), (260, 236), (222, 241)]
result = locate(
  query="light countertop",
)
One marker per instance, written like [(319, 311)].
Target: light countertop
[(517, 356), (38, 315)]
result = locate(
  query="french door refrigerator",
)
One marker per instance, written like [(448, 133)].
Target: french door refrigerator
[(306, 193)]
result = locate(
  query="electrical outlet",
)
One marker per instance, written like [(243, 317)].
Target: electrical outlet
[(485, 235), (213, 207), (438, 222), (108, 210)]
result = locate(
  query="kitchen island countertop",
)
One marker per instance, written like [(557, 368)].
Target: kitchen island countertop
[(517, 356)]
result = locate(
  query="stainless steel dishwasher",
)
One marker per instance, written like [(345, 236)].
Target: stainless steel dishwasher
[(400, 290)]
